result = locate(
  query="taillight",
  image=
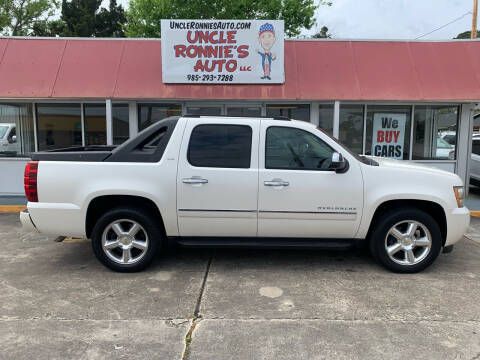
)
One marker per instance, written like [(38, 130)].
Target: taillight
[(30, 181), (451, 155)]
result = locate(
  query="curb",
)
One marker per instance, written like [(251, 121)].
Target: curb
[(11, 208)]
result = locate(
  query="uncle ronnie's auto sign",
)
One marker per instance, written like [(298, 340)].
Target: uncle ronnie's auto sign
[(223, 51)]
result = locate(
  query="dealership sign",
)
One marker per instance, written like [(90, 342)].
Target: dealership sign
[(388, 135), (223, 51)]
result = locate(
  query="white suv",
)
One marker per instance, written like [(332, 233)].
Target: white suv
[(228, 181)]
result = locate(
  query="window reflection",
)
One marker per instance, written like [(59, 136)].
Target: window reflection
[(435, 132), (351, 127), (325, 118), (204, 110), (244, 111), (121, 130), (151, 113), (59, 126), (95, 124), (16, 130), (292, 111)]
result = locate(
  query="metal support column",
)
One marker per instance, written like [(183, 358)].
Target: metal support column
[(108, 104), (336, 119)]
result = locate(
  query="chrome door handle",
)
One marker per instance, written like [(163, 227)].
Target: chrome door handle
[(276, 183), (194, 181)]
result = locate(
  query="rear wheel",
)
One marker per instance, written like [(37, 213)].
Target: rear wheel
[(126, 240), (406, 240)]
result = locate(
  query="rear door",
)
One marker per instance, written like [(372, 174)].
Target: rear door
[(217, 178)]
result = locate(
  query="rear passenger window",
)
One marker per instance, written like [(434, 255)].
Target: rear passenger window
[(225, 146)]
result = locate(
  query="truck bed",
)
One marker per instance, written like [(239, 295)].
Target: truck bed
[(147, 146)]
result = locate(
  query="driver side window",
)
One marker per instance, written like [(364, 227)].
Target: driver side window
[(295, 149)]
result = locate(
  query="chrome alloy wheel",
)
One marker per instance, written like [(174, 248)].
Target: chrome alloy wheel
[(125, 241), (408, 242)]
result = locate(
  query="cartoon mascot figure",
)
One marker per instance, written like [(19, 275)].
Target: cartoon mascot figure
[(266, 38)]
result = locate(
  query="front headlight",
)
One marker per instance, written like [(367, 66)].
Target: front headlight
[(459, 195)]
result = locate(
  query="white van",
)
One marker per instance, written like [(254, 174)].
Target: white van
[(8, 139)]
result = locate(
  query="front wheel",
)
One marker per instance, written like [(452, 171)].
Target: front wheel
[(125, 239), (406, 240)]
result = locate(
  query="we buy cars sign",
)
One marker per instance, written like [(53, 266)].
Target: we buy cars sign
[(388, 135), (223, 51)]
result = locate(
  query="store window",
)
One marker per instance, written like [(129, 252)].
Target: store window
[(435, 132), (95, 121), (149, 114), (351, 126), (325, 118), (16, 130), (388, 131), (121, 129), (226, 146), (292, 111), (204, 110), (59, 126), (244, 111)]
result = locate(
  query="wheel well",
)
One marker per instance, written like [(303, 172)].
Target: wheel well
[(432, 208), (101, 204)]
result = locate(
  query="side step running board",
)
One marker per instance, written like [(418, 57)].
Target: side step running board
[(275, 243)]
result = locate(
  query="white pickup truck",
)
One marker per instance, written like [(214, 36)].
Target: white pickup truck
[(231, 181)]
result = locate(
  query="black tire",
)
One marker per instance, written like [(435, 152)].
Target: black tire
[(150, 228), (393, 217)]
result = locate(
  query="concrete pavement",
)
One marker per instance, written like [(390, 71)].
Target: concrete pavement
[(57, 301)]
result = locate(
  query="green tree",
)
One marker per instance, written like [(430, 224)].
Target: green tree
[(109, 23), (18, 17), (466, 35), (49, 28), (4, 19), (79, 17), (143, 16), (322, 34), (83, 18)]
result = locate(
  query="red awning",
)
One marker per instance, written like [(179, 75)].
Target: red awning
[(314, 70)]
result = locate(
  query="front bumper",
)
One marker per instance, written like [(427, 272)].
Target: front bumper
[(26, 221), (458, 221)]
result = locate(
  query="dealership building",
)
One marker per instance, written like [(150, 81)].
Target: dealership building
[(60, 92)]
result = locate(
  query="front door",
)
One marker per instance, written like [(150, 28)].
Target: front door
[(299, 196), (217, 178)]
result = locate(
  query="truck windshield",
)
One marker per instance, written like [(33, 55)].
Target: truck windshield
[(3, 131)]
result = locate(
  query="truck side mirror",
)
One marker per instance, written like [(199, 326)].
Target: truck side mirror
[(13, 139), (338, 163)]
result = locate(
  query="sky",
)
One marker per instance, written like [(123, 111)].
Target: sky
[(395, 19), (390, 19)]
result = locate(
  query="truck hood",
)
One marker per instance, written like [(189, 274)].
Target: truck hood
[(412, 166)]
